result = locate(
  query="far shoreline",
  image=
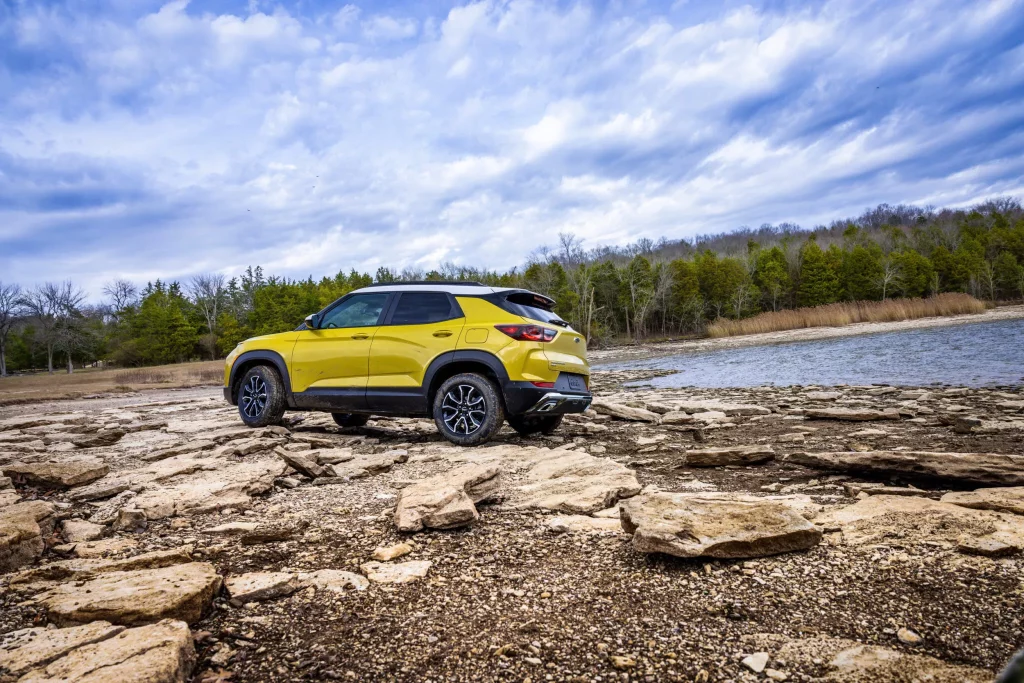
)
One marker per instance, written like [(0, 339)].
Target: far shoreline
[(661, 349)]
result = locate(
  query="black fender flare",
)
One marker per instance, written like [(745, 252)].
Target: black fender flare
[(274, 358), (461, 356)]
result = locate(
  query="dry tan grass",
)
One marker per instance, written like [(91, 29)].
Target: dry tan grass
[(837, 315), (60, 385)]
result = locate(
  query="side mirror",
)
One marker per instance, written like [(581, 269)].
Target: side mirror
[(312, 321)]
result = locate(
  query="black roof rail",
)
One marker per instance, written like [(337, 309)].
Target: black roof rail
[(429, 283)]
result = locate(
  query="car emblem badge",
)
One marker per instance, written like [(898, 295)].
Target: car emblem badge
[(577, 340)]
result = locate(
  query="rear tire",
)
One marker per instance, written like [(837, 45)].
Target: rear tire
[(350, 419), (261, 397), (527, 424), (468, 409)]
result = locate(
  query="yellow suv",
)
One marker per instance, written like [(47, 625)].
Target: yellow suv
[(468, 355)]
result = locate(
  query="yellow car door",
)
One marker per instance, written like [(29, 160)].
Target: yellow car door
[(420, 327), (332, 360)]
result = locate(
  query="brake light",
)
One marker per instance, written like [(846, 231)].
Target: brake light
[(544, 385), (534, 333)]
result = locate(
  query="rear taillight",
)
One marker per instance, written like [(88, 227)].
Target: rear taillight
[(534, 333)]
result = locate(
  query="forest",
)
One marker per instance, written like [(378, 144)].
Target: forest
[(645, 290)]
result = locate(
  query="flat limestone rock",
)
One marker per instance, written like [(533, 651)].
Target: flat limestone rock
[(851, 414), (135, 597), (847, 661), (256, 586), (393, 552), (731, 455), (229, 486), (398, 572), (32, 648), (60, 475), (301, 463), (995, 469), (334, 580), (86, 568), (1008, 499), (575, 483), (730, 409), (106, 547), (690, 525), (624, 412), (23, 527), (584, 524), (79, 530), (446, 500), (159, 653), (909, 520), (98, 439)]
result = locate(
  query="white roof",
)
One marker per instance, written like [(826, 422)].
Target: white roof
[(457, 290)]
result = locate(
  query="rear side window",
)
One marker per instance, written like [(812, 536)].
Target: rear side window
[(418, 308), (530, 306)]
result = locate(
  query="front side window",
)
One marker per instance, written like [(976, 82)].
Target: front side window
[(418, 308), (360, 310)]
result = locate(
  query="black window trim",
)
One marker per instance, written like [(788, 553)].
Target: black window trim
[(385, 309), (454, 313)]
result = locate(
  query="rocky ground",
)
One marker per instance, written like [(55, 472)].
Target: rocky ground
[(800, 534)]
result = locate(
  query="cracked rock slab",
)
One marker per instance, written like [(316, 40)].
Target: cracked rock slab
[(1007, 499), (979, 468), (577, 483), (446, 500), (159, 653), (23, 527), (730, 455), (690, 525), (59, 475), (907, 519), (33, 648), (180, 592), (256, 586)]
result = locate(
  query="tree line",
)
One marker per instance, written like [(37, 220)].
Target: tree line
[(649, 288)]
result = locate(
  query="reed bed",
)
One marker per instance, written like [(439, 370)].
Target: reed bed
[(848, 313), (180, 375)]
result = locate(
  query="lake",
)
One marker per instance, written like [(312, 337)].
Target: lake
[(977, 354)]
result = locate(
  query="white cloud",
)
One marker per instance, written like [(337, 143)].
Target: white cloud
[(180, 139)]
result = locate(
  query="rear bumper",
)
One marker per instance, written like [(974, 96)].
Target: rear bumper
[(523, 397)]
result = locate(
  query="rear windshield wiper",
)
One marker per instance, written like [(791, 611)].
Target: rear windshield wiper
[(559, 322)]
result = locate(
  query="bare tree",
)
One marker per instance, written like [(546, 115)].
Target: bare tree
[(987, 280), (889, 276), (209, 295), (11, 309), (56, 311), (123, 295)]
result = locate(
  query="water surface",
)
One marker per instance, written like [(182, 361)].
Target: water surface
[(974, 354)]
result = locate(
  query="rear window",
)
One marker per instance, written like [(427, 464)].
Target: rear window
[(418, 308), (532, 307)]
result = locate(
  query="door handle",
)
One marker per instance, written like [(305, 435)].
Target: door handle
[(360, 335), (443, 333)]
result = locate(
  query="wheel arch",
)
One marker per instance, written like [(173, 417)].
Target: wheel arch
[(250, 359), (457, 362)]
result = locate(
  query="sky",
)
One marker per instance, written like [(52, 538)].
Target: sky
[(147, 139)]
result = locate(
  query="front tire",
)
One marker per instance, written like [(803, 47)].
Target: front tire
[(350, 419), (527, 425), (468, 410), (261, 397)]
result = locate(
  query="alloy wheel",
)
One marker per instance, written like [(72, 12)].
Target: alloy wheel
[(254, 396), (463, 409)]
